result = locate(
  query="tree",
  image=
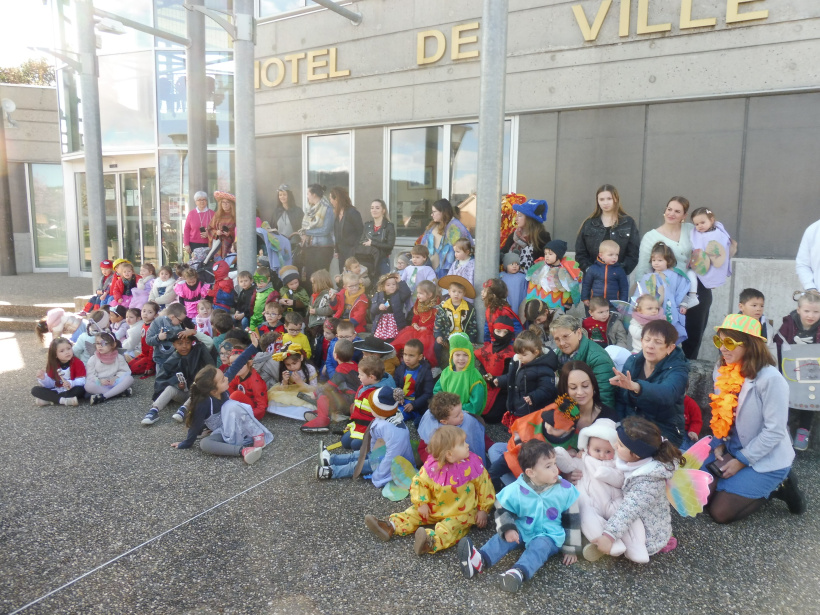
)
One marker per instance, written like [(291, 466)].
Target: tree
[(32, 72)]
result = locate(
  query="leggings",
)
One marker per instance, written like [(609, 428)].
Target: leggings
[(118, 388), (54, 397), (696, 322), (215, 445), (171, 393)]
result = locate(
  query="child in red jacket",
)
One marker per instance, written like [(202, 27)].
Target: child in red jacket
[(125, 280), (351, 302), (338, 393), (143, 363), (694, 422), (249, 382)]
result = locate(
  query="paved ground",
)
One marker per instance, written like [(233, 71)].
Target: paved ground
[(81, 486), (45, 289)]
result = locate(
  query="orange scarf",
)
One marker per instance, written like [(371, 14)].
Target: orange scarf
[(729, 382)]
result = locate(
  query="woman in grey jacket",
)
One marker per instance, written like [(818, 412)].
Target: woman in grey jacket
[(756, 435)]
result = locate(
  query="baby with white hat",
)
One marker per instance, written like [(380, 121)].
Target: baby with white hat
[(600, 488)]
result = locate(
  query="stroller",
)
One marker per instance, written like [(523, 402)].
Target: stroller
[(201, 258)]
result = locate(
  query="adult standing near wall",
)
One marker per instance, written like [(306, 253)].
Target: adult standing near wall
[(379, 236), (755, 434), (807, 262), (530, 236), (223, 224), (608, 221), (195, 233), (441, 236), (316, 233), (347, 225), (287, 215)]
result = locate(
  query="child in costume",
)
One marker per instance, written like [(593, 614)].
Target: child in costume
[(424, 318), (142, 363), (445, 409), (462, 378), (264, 289), (223, 224), (538, 317), (555, 279), (387, 308), (296, 376), (693, 422), (373, 346), (668, 285), (386, 426), (321, 345), (464, 263), (204, 311), (515, 280), (603, 326), (600, 488), (415, 378), (647, 461), (712, 251), (189, 291), (335, 397), (247, 381), (293, 297), (274, 318), (647, 308), (492, 360), (351, 302), (222, 294), (352, 265), (451, 491), (100, 296), (162, 291), (96, 323), (455, 315), (294, 323), (528, 512), (372, 377), (125, 281), (494, 295), (530, 380), (142, 293), (107, 373), (118, 325), (244, 299), (419, 269), (63, 380)]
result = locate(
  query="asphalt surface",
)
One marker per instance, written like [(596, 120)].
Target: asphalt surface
[(83, 486)]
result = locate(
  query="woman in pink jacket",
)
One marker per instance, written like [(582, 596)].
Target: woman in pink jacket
[(195, 234)]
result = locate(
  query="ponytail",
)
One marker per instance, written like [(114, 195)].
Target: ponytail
[(200, 390), (669, 453)]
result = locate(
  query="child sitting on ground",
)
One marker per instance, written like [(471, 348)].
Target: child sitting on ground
[(204, 311), (351, 302), (189, 291), (373, 346), (424, 318), (62, 381), (123, 283), (162, 291), (319, 309), (107, 373), (264, 289), (384, 427), (462, 378), (693, 422), (647, 308), (372, 377), (515, 280), (320, 347), (131, 343), (221, 323), (274, 319), (415, 378), (464, 263), (455, 315), (387, 308), (451, 491), (345, 330), (337, 394), (606, 276), (352, 265), (293, 297), (244, 299), (142, 363), (445, 409), (96, 323), (418, 270), (166, 327), (247, 380), (604, 327), (294, 323), (297, 378), (538, 317), (494, 295), (528, 512), (101, 294), (118, 325)]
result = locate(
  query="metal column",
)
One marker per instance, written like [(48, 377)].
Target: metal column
[(8, 261), (197, 95), (92, 136), (245, 124), (490, 144)]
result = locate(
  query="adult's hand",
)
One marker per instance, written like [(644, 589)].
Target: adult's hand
[(624, 381)]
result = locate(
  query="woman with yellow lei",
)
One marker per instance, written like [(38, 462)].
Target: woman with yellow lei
[(752, 449)]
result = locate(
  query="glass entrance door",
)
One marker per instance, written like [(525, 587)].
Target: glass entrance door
[(129, 208)]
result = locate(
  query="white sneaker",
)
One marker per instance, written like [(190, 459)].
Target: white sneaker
[(69, 401), (324, 455), (324, 472), (690, 301), (41, 402)]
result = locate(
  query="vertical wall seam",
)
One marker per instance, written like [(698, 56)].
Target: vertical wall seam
[(555, 208), (643, 162), (742, 172)]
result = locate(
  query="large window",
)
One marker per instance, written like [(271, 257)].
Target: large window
[(329, 160), (127, 101), (48, 222), (271, 8), (432, 162)]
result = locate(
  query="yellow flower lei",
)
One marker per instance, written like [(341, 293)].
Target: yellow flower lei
[(729, 382)]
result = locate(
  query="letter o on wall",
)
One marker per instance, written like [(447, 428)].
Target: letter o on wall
[(280, 67)]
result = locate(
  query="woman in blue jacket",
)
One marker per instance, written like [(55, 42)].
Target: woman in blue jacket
[(653, 382)]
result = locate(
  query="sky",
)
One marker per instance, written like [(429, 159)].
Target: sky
[(23, 23)]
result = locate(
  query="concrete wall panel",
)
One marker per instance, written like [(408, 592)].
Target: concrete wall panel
[(278, 161), (369, 170), (537, 149)]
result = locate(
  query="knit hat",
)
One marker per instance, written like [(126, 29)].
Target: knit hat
[(54, 318), (534, 208), (511, 258), (504, 322), (288, 273), (469, 290), (558, 247), (602, 428), (375, 345), (106, 264), (384, 402), (744, 324)]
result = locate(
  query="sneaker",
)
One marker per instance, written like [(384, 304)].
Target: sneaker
[(306, 397), (97, 399), (69, 401), (511, 581), (179, 415), (425, 543), (324, 472), (690, 301), (251, 454), (469, 558), (592, 553), (670, 546), (380, 529), (41, 402), (324, 454), (789, 493), (801, 439), (150, 418), (128, 392)]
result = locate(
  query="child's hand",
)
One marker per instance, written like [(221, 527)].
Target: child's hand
[(408, 408), (162, 335), (495, 381), (604, 543), (512, 536), (175, 445), (569, 560), (416, 327), (424, 510), (286, 378), (41, 374), (254, 338), (440, 340), (682, 310), (383, 307), (527, 399), (693, 436), (297, 377), (239, 316), (586, 302), (312, 310), (187, 333), (481, 519)]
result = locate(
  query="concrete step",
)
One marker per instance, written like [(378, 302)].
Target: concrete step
[(18, 323), (36, 310)]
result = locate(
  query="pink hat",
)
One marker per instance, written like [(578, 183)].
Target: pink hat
[(54, 318)]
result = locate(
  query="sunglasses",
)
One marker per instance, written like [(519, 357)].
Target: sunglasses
[(728, 342)]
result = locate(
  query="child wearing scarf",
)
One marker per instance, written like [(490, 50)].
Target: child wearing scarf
[(107, 373)]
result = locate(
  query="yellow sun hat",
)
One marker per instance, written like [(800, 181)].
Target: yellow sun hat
[(744, 324)]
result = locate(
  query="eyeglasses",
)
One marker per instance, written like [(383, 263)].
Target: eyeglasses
[(728, 342)]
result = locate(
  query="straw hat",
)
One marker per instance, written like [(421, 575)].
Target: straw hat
[(469, 290), (219, 195)]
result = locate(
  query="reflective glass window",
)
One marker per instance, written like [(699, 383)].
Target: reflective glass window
[(117, 38), (173, 199), (416, 175), (269, 8), (127, 101), (48, 220), (329, 160)]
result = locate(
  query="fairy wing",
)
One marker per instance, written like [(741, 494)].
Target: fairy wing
[(688, 491), (393, 492), (376, 456), (624, 308), (697, 453), (402, 472)]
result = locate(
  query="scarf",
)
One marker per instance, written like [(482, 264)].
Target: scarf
[(729, 382), (107, 357), (501, 342), (315, 214)]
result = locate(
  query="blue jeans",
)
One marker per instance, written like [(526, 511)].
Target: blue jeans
[(535, 555), (354, 444), (343, 465)]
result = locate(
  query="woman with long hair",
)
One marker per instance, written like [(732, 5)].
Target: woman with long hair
[(441, 236), (608, 221), (223, 224), (379, 235), (316, 233), (347, 224), (287, 215), (529, 237)]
